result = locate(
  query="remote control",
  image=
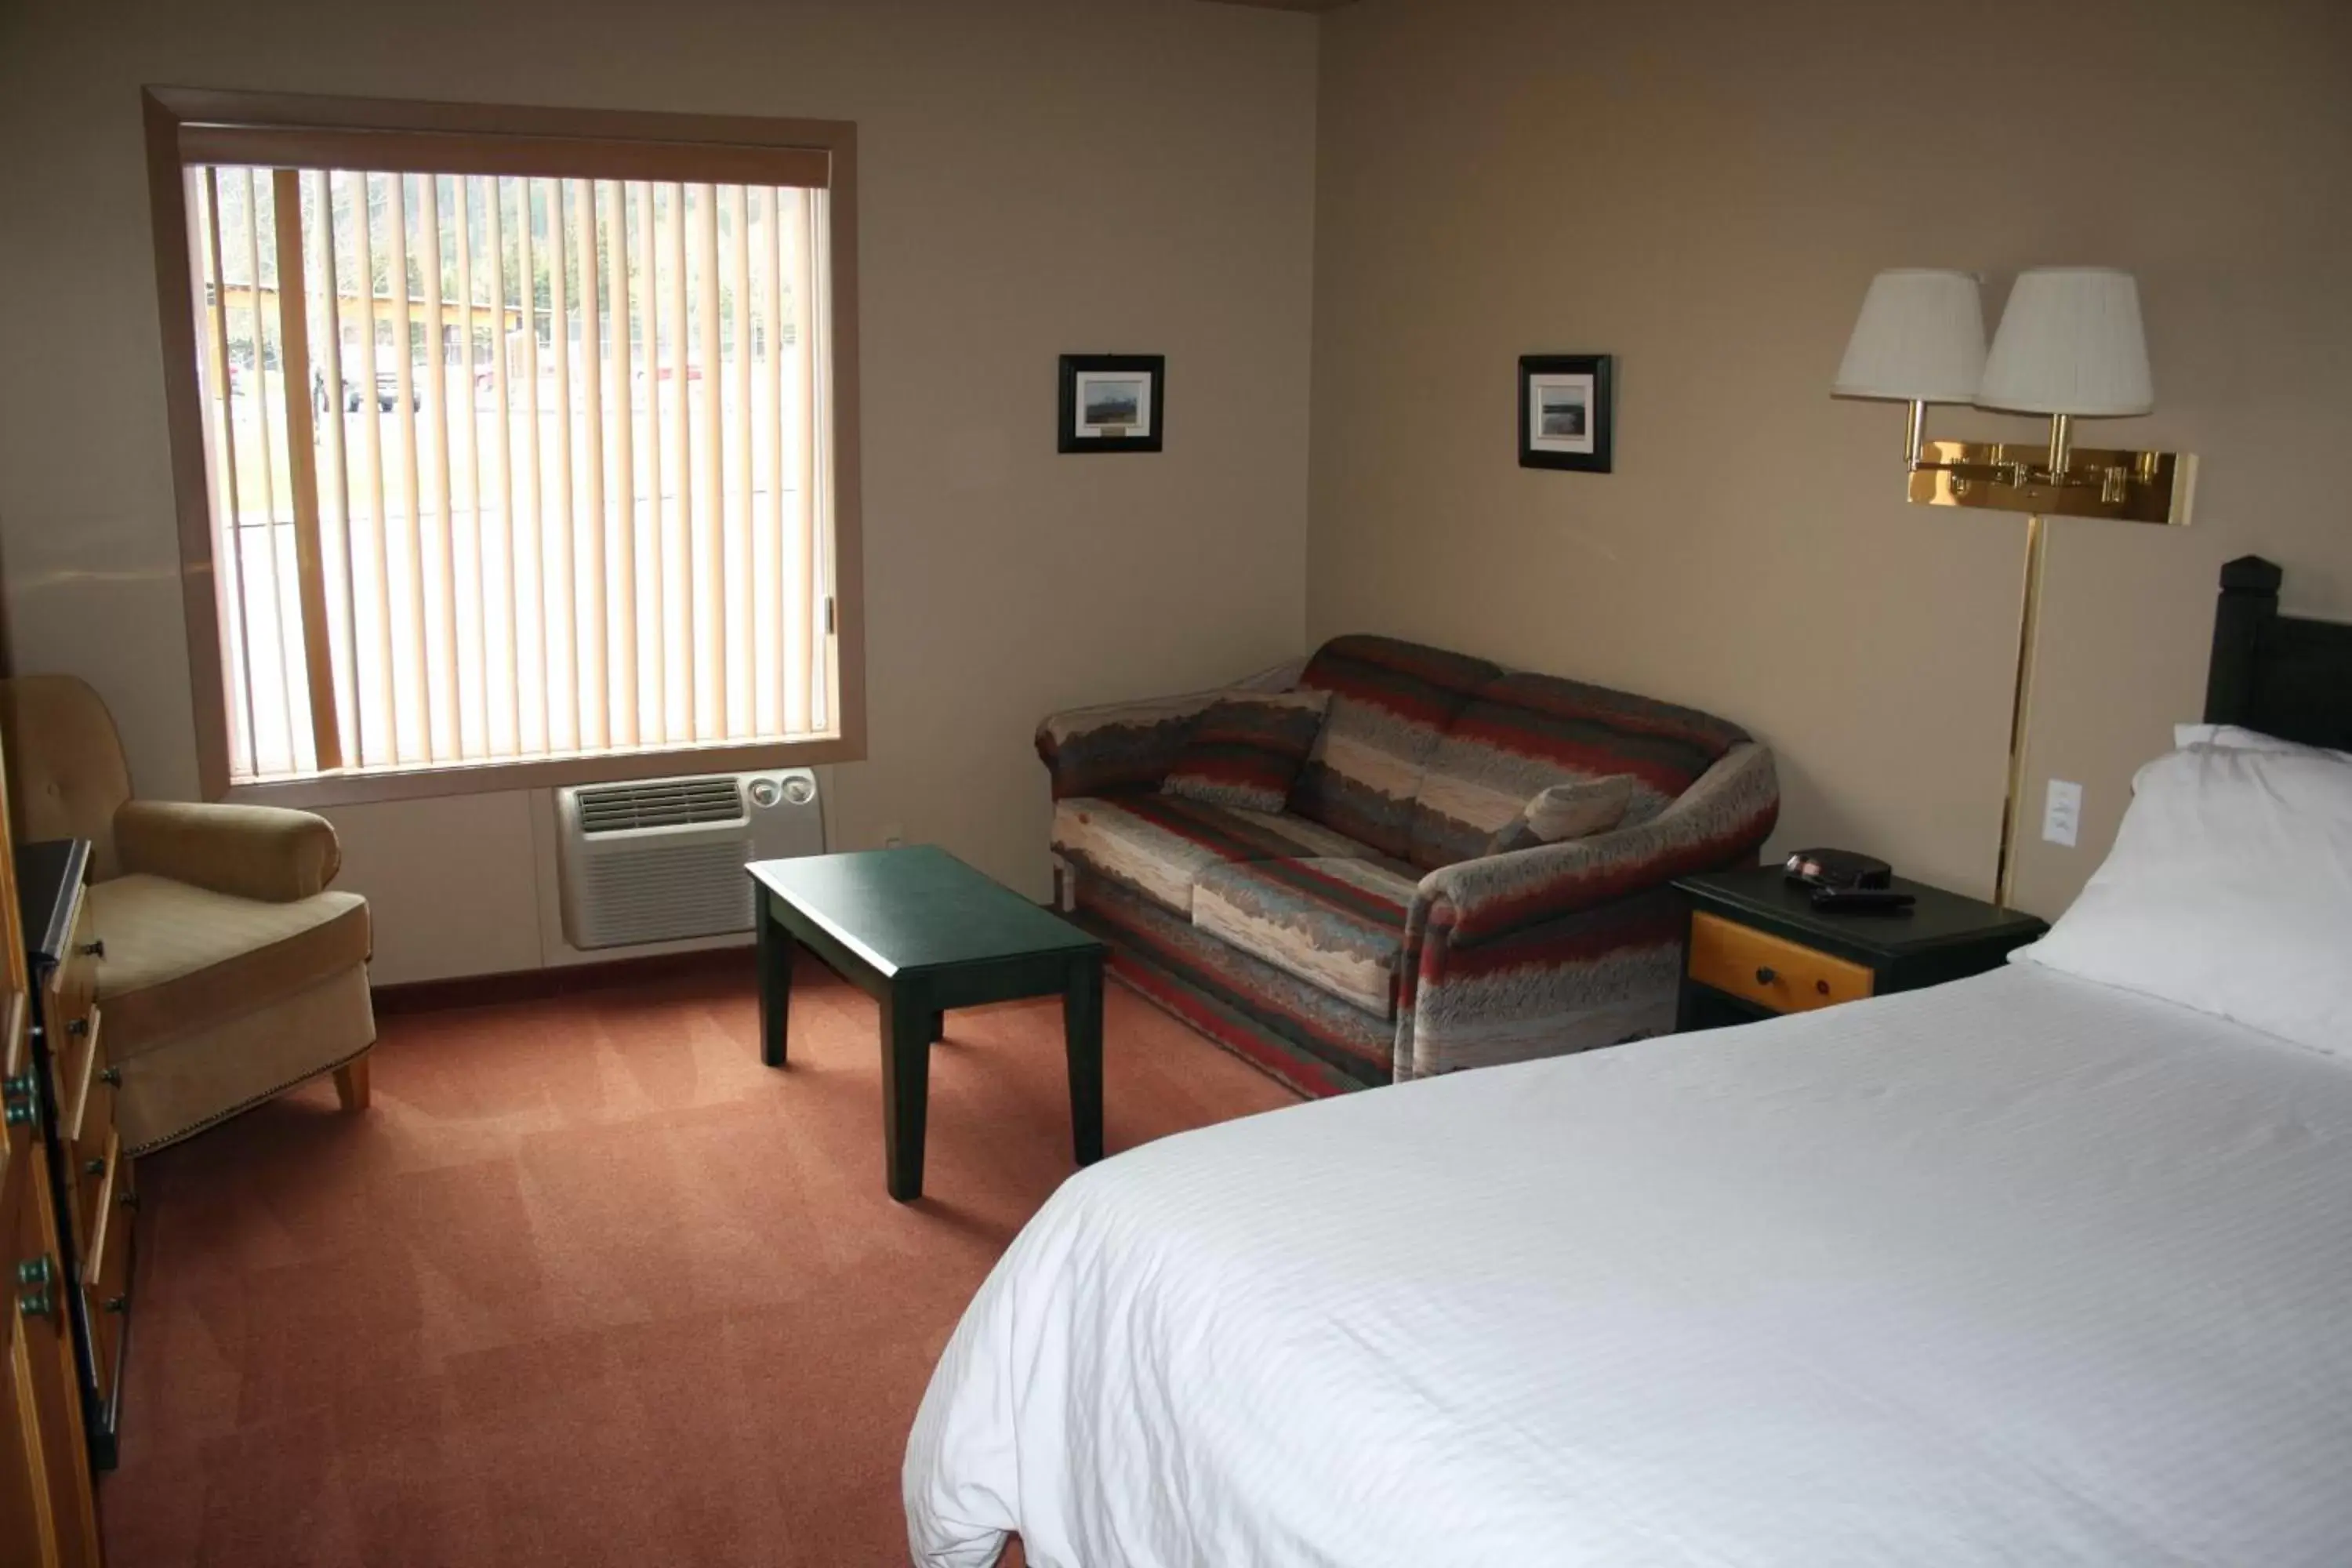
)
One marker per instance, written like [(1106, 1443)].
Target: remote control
[(1862, 900)]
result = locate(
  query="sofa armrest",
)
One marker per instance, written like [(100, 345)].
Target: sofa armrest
[(1720, 820), (1567, 946), (1131, 745), (263, 852)]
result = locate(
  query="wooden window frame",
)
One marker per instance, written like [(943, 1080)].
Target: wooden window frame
[(193, 124)]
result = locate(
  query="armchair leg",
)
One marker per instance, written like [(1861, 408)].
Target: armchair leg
[(352, 1083)]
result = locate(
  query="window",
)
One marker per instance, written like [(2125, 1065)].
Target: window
[(598, 520)]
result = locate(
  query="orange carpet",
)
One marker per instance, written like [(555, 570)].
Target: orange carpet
[(589, 1285)]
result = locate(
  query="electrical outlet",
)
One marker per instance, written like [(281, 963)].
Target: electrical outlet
[(894, 837), (2062, 812)]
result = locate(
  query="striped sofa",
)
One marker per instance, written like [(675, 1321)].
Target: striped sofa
[(1363, 935)]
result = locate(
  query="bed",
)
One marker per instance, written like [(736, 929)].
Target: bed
[(2027, 1268)]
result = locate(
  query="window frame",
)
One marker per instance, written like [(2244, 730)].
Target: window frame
[(388, 133)]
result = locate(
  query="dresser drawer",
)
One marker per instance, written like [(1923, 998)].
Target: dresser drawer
[(86, 1101), (1769, 970), (89, 1152), (106, 1270), (69, 1016)]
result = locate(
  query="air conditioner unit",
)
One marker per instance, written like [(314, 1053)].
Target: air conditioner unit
[(662, 859)]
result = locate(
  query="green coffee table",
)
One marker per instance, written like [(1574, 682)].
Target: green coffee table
[(921, 933)]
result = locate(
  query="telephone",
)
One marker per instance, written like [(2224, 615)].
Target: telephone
[(1838, 869), (1845, 882)]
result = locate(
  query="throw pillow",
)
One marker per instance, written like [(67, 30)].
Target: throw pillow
[(1566, 811), (1245, 749)]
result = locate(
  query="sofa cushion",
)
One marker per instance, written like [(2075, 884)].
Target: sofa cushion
[(1246, 748), (1391, 703), (1336, 924), (181, 958), (1525, 733), (1565, 811), (1159, 844)]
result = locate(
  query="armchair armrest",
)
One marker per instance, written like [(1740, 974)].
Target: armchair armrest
[(1131, 745), (264, 852)]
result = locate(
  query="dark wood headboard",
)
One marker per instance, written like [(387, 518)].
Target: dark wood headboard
[(2279, 674)]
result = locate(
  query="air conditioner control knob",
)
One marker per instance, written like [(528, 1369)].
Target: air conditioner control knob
[(763, 793), (800, 792)]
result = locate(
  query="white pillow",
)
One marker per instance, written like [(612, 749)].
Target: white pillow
[(2238, 738), (2229, 891)]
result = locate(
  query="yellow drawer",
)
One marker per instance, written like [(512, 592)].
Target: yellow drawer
[(1769, 970)]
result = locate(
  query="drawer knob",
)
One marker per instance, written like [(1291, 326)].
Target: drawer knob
[(79, 1027), (110, 1077), (93, 949), (1822, 986), (131, 1200), (1766, 974), (117, 1303), (93, 1167)]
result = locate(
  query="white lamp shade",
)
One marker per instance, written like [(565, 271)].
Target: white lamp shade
[(2070, 343), (1920, 338)]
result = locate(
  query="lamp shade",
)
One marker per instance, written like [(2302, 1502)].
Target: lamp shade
[(2070, 343), (1920, 338)]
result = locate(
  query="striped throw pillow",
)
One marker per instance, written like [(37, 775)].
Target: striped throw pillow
[(1566, 811), (1245, 749)]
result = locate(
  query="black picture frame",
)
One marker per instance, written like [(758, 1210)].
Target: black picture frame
[(1074, 426), (1599, 438)]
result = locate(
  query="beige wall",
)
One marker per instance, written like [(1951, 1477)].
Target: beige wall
[(1703, 190), (1038, 176)]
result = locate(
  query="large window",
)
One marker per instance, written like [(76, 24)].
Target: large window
[(513, 447)]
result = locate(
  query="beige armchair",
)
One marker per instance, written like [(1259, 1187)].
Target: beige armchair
[(230, 972)]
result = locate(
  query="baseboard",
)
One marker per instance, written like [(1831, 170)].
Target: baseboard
[(557, 980)]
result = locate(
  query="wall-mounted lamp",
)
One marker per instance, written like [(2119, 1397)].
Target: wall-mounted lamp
[(2070, 346)]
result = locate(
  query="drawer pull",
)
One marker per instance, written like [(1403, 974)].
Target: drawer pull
[(93, 949), (1822, 986), (1766, 974), (19, 1104), (110, 1077), (118, 1304), (131, 1200), (93, 1167), (79, 1028), (34, 1277)]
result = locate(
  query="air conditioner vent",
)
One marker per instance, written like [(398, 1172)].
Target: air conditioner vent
[(662, 859), (667, 803)]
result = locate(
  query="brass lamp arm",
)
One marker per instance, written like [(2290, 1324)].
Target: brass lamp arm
[(2109, 481)]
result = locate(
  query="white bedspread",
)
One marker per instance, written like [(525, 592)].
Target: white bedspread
[(2020, 1270)]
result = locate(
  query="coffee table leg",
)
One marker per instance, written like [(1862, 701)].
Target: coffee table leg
[(1082, 1027), (906, 1091), (774, 949)]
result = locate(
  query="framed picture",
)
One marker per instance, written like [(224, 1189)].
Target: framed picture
[(1113, 403), (1565, 413)]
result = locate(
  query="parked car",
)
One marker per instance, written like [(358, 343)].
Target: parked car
[(387, 392)]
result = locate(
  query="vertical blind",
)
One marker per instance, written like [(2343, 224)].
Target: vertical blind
[(506, 468)]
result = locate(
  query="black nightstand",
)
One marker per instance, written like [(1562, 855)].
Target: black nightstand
[(1759, 948)]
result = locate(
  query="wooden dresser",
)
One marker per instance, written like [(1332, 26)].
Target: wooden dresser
[(48, 1513), (97, 1199)]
